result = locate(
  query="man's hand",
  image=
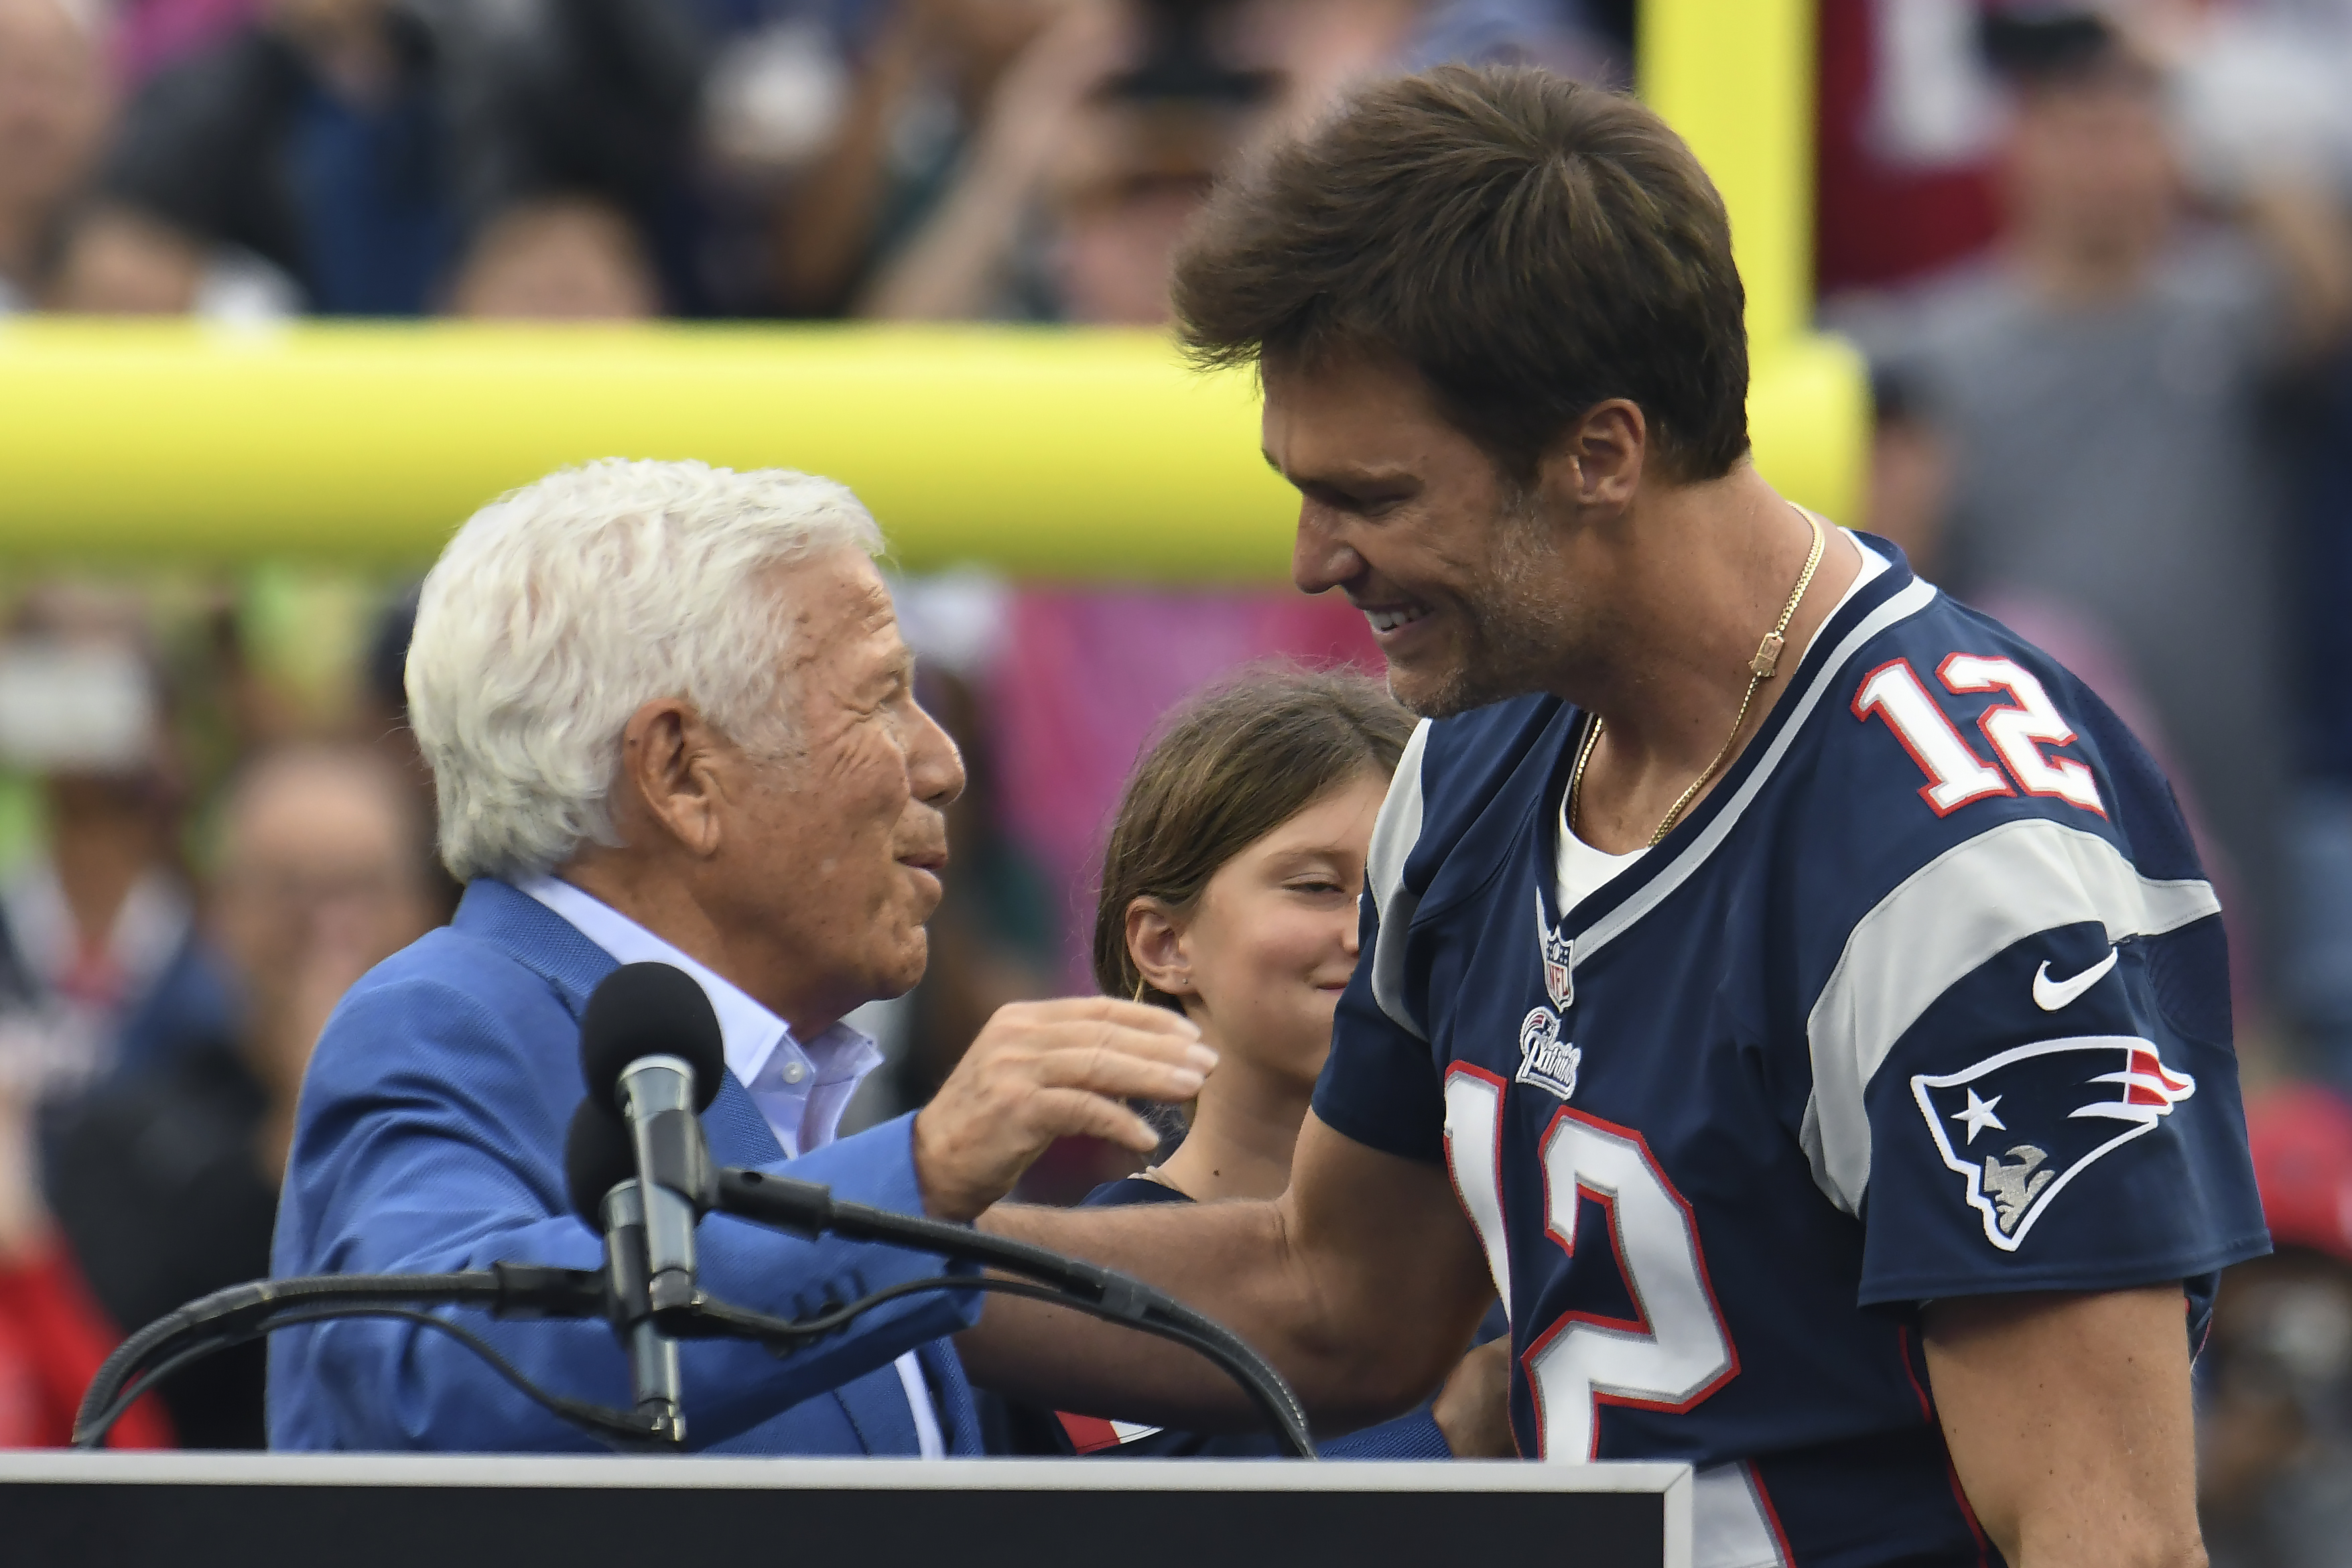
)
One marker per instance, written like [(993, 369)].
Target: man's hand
[(1473, 1408), (1043, 1071), (2068, 1420)]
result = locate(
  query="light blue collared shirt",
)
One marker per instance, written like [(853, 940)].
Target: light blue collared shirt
[(801, 1090)]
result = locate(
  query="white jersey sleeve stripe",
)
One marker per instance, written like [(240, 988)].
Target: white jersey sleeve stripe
[(1394, 832), (1943, 923), (1729, 1528)]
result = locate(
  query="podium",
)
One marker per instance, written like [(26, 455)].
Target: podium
[(455, 1511)]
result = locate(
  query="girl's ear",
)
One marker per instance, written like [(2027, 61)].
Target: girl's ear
[(1156, 941)]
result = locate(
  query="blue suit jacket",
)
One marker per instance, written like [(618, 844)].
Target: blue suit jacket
[(431, 1137)]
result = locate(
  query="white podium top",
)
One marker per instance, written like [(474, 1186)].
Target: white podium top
[(616, 1470)]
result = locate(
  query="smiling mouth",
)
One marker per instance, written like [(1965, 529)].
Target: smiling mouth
[(1396, 618)]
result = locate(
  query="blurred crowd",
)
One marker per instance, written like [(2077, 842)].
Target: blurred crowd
[(579, 159), (2098, 257)]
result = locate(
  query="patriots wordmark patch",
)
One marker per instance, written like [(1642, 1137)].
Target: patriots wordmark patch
[(1545, 1060), (2020, 1124)]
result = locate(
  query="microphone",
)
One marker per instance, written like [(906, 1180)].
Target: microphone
[(650, 1049), (600, 1172)]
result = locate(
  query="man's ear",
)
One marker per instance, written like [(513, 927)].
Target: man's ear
[(669, 776), (1156, 941), (1598, 462)]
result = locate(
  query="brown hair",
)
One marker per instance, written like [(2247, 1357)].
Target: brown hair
[(1530, 246), (1229, 767)]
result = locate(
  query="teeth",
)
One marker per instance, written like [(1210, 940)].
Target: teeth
[(1389, 620)]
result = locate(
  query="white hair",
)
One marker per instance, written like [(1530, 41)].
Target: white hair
[(561, 608)]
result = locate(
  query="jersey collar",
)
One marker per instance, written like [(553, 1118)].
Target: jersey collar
[(1895, 595)]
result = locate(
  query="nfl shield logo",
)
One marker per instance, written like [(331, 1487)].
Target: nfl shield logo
[(1559, 955)]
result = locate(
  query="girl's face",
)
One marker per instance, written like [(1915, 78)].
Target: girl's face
[(1273, 940)]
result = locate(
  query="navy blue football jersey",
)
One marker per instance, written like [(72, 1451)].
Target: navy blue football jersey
[(1927, 999)]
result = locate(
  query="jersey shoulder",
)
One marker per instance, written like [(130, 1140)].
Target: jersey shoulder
[(1464, 788), (1991, 880), (1945, 725)]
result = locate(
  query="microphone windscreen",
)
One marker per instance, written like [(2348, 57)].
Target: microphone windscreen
[(598, 1155), (645, 1010)]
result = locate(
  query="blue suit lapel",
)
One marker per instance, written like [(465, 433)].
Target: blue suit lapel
[(952, 1394), (738, 1134), (550, 946), (876, 1405)]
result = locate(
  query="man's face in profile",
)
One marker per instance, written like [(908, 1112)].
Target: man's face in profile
[(1417, 525), (837, 849)]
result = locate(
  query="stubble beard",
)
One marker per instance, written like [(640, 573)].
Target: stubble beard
[(1514, 627)]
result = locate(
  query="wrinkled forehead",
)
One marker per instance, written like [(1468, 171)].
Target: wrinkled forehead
[(842, 612)]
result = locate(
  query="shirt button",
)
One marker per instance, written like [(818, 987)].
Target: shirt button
[(795, 1071)]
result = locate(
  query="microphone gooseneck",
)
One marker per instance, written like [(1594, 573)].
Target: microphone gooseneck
[(651, 1053), (654, 1381), (650, 1049), (637, 1170)]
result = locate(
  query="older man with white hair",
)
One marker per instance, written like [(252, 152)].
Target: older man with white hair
[(670, 717)]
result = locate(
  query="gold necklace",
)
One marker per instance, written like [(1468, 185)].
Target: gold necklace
[(1759, 670)]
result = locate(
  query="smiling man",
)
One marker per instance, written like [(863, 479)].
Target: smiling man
[(1793, 994), (670, 718)]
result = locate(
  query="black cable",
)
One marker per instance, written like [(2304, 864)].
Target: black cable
[(240, 1303), (601, 1420), (622, 1428), (810, 1208), (89, 1433), (243, 1312), (507, 1288), (785, 1334), (1278, 1414)]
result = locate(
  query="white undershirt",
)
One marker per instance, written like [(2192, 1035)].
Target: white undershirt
[(1579, 870)]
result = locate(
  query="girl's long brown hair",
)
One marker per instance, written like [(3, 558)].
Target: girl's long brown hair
[(1229, 767)]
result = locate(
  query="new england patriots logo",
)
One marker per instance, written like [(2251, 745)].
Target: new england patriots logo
[(1545, 1060), (2019, 1125)]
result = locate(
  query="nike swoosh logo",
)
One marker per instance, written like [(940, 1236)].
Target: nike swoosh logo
[(2052, 995)]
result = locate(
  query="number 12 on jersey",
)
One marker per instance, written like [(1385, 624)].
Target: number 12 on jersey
[(2017, 731), (1675, 1350)]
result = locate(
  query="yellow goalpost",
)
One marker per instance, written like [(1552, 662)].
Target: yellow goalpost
[(1035, 451)]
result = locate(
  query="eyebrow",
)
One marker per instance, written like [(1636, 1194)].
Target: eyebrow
[(1347, 478), (1310, 855)]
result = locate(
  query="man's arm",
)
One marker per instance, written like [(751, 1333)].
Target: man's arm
[(1361, 1284), (426, 1143), (2068, 1419)]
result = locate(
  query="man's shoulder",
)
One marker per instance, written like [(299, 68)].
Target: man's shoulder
[(1963, 793), (1944, 724), (450, 994), (1466, 788), (448, 964)]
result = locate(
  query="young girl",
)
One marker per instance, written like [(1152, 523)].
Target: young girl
[(1229, 894)]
